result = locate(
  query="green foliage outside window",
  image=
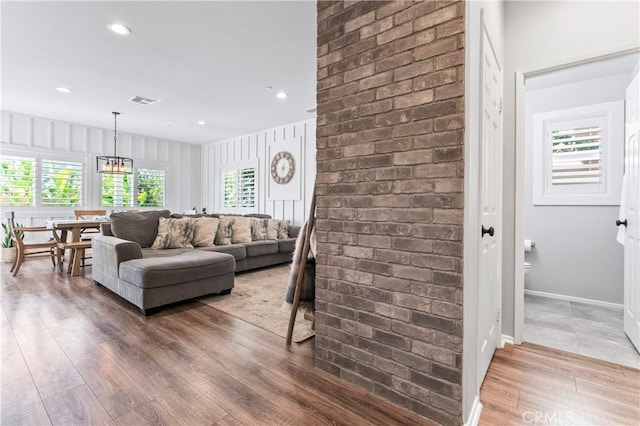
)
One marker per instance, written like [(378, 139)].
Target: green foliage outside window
[(61, 183), (150, 188), (230, 188), (18, 179), (116, 190), (239, 188)]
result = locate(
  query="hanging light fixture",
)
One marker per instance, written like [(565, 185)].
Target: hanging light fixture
[(114, 165)]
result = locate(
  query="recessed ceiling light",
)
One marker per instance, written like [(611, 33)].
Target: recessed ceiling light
[(202, 123), (281, 95), (63, 89), (119, 28)]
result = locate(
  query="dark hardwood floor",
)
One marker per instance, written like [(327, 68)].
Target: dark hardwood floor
[(532, 384), (74, 353)]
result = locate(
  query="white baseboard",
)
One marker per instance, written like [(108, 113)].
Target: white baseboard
[(474, 416), (573, 299), (506, 339)]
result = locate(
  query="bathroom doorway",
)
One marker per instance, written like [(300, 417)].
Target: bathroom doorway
[(573, 165)]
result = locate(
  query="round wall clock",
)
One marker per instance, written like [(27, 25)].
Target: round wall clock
[(283, 167)]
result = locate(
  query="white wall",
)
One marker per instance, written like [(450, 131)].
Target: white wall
[(254, 149), (22, 135), (493, 18), (576, 253), (537, 34)]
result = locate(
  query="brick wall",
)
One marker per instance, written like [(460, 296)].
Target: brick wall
[(389, 194)]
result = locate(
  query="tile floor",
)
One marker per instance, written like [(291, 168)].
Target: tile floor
[(590, 330)]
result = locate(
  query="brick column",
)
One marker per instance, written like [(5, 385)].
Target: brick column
[(389, 192)]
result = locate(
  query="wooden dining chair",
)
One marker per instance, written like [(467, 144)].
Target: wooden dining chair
[(86, 234), (89, 214), (26, 249)]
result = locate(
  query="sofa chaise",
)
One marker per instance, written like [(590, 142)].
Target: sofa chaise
[(130, 256)]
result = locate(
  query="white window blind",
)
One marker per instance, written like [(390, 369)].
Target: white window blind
[(230, 188), (117, 190), (61, 183), (18, 181), (576, 156), (240, 188), (247, 188), (151, 187)]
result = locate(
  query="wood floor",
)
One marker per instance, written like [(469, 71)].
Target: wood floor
[(532, 384), (74, 353)]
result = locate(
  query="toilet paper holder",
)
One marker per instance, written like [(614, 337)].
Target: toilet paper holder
[(528, 245)]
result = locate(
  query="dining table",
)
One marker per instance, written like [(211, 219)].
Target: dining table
[(65, 228), (74, 226)]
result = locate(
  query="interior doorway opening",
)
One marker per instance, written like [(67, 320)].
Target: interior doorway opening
[(570, 149)]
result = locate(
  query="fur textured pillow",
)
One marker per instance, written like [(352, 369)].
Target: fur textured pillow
[(259, 229), (241, 230), (273, 225), (283, 229), (225, 231), (204, 232), (174, 233)]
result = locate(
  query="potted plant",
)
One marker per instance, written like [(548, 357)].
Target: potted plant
[(8, 245)]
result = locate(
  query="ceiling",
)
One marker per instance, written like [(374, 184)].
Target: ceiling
[(622, 64), (205, 60)]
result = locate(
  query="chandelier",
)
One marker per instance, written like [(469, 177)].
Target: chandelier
[(114, 165)]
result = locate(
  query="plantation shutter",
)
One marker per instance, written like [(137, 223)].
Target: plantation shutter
[(17, 181), (240, 188), (151, 184), (246, 185), (230, 188), (116, 190), (62, 183), (576, 156)]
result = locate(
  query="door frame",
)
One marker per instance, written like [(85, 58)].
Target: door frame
[(520, 119)]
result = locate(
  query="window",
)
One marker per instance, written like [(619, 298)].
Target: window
[(578, 155), (575, 156), (239, 188), (41, 182), (61, 183), (18, 181), (150, 187), (118, 190)]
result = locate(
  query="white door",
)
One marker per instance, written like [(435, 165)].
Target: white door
[(632, 236), (490, 195)]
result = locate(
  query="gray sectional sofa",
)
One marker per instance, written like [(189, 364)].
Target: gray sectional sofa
[(150, 278)]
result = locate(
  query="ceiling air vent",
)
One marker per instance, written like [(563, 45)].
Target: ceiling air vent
[(143, 101)]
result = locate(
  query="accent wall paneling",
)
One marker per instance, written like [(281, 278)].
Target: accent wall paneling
[(25, 135), (261, 146)]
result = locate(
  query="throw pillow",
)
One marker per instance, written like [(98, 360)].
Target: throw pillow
[(174, 233), (259, 229), (225, 230), (204, 233), (273, 225), (140, 227), (241, 230), (283, 229)]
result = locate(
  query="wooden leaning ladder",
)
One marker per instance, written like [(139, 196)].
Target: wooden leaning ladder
[(306, 245)]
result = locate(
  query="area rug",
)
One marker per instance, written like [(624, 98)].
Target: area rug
[(257, 298)]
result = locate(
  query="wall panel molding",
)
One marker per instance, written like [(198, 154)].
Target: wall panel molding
[(219, 155), (37, 135)]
